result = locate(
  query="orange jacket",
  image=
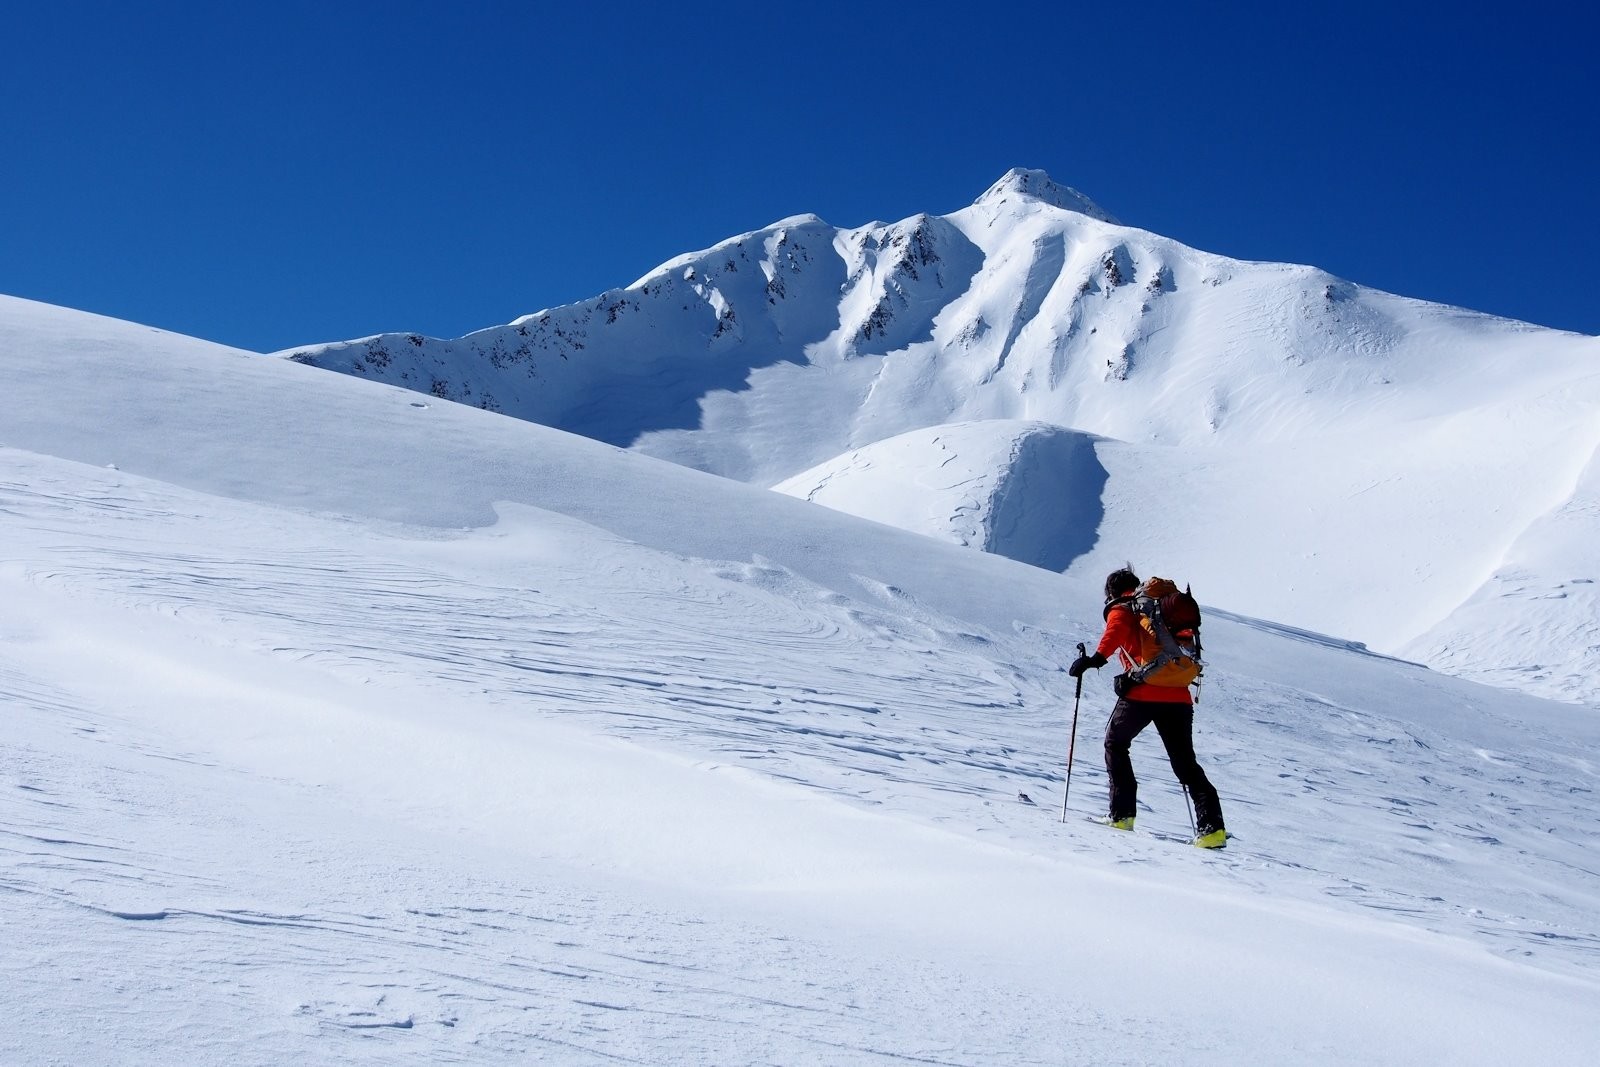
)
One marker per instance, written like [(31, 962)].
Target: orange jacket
[(1125, 635)]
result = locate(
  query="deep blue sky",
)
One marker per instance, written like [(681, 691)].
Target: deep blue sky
[(271, 175)]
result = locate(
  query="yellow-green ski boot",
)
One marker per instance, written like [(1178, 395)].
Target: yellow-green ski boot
[(1215, 839)]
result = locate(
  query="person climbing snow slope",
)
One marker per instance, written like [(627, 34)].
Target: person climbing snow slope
[(1141, 703)]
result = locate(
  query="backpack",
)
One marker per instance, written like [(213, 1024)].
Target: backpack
[(1170, 619)]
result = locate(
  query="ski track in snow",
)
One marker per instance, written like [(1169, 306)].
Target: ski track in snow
[(867, 697)]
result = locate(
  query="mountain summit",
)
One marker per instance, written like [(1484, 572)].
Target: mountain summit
[(1037, 185), (1302, 448)]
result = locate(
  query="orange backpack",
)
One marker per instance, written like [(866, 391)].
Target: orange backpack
[(1169, 621)]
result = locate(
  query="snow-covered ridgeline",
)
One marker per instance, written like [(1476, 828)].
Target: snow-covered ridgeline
[(1015, 307), (1369, 463)]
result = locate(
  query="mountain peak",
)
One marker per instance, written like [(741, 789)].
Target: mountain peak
[(1037, 185)]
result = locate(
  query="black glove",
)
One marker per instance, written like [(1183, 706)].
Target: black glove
[(1083, 663)]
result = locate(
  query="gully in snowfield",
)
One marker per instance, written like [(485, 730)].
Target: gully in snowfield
[(1153, 629)]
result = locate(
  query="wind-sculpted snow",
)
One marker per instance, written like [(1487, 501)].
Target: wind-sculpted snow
[(1026, 491), (1531, 626), (303, 785), (1046, 510)]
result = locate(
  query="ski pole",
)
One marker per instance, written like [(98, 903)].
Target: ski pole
[(1073, 745), (1194, 831)]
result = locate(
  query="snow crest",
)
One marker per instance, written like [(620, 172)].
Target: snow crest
[(1037, 185)]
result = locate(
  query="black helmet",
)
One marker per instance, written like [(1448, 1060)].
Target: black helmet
[(1121, 582)]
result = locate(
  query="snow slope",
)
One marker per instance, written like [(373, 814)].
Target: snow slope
[(1027, 491), (346, 727), (1383, 458)]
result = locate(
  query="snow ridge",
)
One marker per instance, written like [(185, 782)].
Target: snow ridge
[(787, 348)]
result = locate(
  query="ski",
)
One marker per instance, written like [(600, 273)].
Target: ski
[(1160, 835), (1104, 823)]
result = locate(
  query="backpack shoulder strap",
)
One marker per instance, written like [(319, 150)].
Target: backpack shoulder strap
[(1119, 602)]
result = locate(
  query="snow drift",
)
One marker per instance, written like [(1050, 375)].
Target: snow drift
[(1027, 491)]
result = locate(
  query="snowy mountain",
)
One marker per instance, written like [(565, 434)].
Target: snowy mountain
[(1416, 477), (343, 725)]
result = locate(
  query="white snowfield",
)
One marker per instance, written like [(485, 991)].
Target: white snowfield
[(1416, 477), (344, 726)]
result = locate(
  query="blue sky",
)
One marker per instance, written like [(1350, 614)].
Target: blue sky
[(272, 175)]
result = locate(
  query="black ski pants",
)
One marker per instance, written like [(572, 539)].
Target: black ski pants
[(1175, 724)]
